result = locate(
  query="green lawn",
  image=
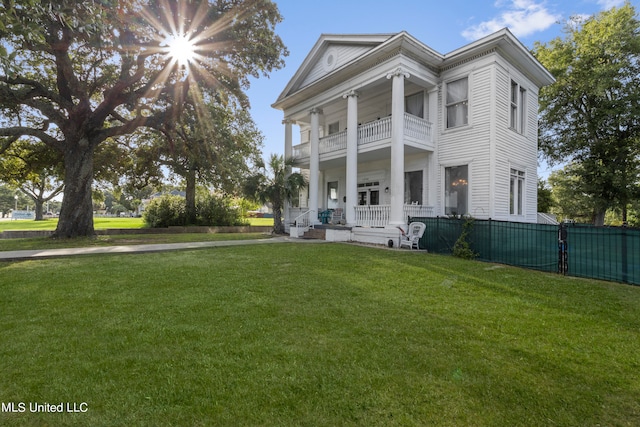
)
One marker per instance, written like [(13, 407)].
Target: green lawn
[(315, 335), (99, 223)]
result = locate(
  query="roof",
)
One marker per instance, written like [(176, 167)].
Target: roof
[(343, 55)]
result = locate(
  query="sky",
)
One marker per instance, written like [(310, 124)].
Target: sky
[(442, 25)]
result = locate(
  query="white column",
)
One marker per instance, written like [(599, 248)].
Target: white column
[(434, 169), (396, 214), (314, 162), (288, 152), (352, 157)]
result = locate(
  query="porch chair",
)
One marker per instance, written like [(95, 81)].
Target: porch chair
[(325, 216), (413, 235), (337, 216)]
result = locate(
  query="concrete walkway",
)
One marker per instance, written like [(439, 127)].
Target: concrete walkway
[(158, 247)]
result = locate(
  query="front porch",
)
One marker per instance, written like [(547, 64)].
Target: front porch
[(372, 224), (376, 216)]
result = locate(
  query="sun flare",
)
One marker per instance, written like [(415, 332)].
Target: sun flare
[(181, 49)]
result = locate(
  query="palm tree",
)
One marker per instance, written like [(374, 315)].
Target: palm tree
[(274, 184)]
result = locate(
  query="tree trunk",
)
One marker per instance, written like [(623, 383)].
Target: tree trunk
[(278, 227), (39, 208), (190, 196), (598, 217), (76, 213)]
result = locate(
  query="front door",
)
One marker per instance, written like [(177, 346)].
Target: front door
[(369, 193)]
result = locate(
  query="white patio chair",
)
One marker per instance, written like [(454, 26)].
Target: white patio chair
[(413, 235)]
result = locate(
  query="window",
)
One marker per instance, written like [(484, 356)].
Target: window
[(413, 187), (458, 103), (516, 192), (333, 128), (332, 195), (456, 183), (414, 104), (517, 117)]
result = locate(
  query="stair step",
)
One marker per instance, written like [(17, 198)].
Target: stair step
[(315, 234)]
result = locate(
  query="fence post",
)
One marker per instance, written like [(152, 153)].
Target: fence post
[(625, 265), (438, 233), (563, 264), (490, 242)]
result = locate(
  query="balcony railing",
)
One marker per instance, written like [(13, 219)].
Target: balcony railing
[(334, 142), (415, 127), (368, 133), (374, 131)]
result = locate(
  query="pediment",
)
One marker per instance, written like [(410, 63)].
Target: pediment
[(330, 53)]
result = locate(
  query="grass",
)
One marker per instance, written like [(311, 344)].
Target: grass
[(111, 240), (99, 223), (315, 335), (265, 222)]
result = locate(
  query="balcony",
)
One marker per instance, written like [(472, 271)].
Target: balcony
[(372, 135)]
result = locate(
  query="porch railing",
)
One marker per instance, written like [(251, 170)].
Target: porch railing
[(303, 222), (418, 210), (372, 215), (378, 215)]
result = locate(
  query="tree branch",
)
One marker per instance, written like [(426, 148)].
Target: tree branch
[(115, 96), (14, 133)]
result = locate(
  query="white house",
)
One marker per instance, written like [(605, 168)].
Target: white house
[(390, 128)]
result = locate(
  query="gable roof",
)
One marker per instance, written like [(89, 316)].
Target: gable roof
[(335, 54), (331, 52), (350, 50), (511, 48)]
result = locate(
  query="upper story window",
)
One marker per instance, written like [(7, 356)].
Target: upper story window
[(457, 103), (517, 118), (414, 104), (333, 128)]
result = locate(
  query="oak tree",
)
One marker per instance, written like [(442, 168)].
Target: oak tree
[(74, 74), (591, 115)]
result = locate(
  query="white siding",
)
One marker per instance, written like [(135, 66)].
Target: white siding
[(503, 144), (469, 144), (515, 150)]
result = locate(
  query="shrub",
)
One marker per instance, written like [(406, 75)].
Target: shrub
[(462, 248), (211, 209), (218, 211), (165, 211)]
